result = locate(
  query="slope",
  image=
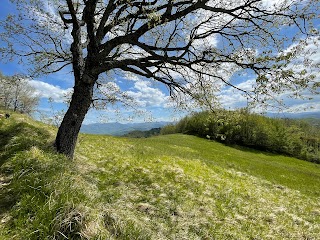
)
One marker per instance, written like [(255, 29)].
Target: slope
[(165, 187)]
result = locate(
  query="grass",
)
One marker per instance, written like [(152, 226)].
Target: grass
[(165, 187), (277, 169)]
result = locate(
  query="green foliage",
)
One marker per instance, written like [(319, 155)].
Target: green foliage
[(143, 134), (168, 129), (292, 137)]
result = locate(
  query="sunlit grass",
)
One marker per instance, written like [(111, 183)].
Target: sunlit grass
[(182, 187), (277, 169), (166, 187)]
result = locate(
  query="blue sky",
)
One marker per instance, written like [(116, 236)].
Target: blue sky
[(151, 98)]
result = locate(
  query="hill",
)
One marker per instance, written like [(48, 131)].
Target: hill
[(301, 115), (164, 187), (119, 129), (143, 134), (313, 121), (293, 137)]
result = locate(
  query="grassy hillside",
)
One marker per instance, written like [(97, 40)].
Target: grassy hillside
[(292, 137), (165, 187)]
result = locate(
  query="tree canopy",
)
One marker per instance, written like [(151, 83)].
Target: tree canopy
[(194, 47)]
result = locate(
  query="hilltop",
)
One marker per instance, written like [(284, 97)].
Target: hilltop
[(165, 187)]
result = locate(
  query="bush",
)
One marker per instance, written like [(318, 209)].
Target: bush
[(169, 129)]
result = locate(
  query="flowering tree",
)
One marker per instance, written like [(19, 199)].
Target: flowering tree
[(17, 94), (194, 47)]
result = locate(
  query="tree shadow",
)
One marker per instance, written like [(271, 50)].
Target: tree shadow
[(18, 137), (255, 149), (15, 138)]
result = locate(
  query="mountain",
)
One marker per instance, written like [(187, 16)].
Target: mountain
[(295, 115), (143, 134), (118, 129), (312, 118)]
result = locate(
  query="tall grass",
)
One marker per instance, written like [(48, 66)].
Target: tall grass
[(38, 196)]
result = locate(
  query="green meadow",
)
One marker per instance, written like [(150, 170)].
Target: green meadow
[(165, 187)]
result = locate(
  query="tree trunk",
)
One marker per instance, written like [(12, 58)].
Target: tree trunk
[(67, 135)]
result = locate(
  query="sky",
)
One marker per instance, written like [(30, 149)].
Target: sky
[(152, 99)]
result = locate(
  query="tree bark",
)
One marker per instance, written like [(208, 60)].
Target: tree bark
[(67, 135)]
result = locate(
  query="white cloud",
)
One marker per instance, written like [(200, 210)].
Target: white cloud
[(306, 48), (302, 107), (147, 96), (280, 4), (307, 60), (46, 90), (233, 98), (48, 18), (131, 77)]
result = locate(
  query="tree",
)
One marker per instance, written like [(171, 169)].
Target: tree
[(194, 47), (5, 92), (17, 94)]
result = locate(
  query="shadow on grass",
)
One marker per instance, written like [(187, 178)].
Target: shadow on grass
[(20, 137), (255, 150), (266, 152), (16, 137)]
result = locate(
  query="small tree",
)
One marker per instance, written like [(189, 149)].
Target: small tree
[(17, 94), (194, 47)]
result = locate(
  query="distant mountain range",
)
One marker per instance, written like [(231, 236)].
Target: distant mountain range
[(295, 115), (119, 129)]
